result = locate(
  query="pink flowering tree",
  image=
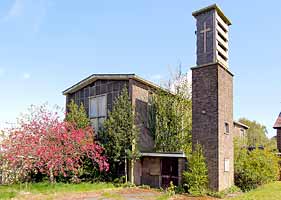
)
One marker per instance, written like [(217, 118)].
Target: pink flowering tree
[(43, 143)]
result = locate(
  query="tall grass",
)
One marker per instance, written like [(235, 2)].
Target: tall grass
[(8, 192)]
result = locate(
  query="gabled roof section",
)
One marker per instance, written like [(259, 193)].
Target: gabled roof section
[(277, 124), (241, 124), (95, 77)]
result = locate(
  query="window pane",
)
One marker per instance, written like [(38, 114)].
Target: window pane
[(94, 124), (226, 165), (93, 107), (102, 106)]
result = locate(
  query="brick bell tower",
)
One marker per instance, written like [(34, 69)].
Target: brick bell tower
[(212, 96)]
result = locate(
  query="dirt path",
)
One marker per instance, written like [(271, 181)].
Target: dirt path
[(115, 194)]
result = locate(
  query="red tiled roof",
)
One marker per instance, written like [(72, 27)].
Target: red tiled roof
[(278, 122)]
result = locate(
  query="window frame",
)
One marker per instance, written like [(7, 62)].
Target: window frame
[(99, 117), (226, 165)]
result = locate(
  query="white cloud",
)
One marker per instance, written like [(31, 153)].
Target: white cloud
[(17, 8), (29, 12), (26, 76)]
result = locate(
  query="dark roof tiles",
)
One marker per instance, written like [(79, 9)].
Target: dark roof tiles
[(277, 124)]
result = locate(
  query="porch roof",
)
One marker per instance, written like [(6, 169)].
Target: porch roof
[(163, 154), (241, 124)]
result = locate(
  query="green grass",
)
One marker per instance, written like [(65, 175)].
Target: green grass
[(8, 192), (110, 195), (163, 197), (271, 191)]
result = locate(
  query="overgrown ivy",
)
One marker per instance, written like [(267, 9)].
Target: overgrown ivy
[(170, 121)]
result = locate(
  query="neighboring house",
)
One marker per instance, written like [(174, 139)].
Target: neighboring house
[(240, 131), (98, 93)]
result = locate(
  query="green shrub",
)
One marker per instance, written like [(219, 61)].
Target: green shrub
[(196, 177), (179, 190), (254, 168), (171, 189)]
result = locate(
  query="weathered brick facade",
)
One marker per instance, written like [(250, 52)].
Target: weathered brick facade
[(211, 108), (279, 139), (140, 95)]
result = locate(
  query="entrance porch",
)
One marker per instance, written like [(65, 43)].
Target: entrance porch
[(159, 169)]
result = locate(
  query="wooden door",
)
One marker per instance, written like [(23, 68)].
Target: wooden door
[(169, 171)]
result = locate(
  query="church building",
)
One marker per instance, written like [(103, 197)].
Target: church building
[(212, 108)]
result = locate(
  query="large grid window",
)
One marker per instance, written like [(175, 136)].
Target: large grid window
[(97, 111)]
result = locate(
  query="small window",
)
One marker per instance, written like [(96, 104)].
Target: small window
[(97, 111), (226, 165), (226, 127)]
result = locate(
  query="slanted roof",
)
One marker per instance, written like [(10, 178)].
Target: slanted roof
[(95, 77), (163, 154), (241, 124), (277, 124)]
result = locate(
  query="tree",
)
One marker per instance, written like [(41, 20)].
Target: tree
[(254, 168), (119, 133), (196, 176), (42, 143), (271, 145), (179, 83), (256, 134), (77, 115), (170, 116)]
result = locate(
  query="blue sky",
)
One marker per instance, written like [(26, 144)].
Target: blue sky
[(48, 45)]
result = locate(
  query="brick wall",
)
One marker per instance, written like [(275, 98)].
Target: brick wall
[(225, 105), (212, 106), (140, 97), (205, 117), (279, 139)]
